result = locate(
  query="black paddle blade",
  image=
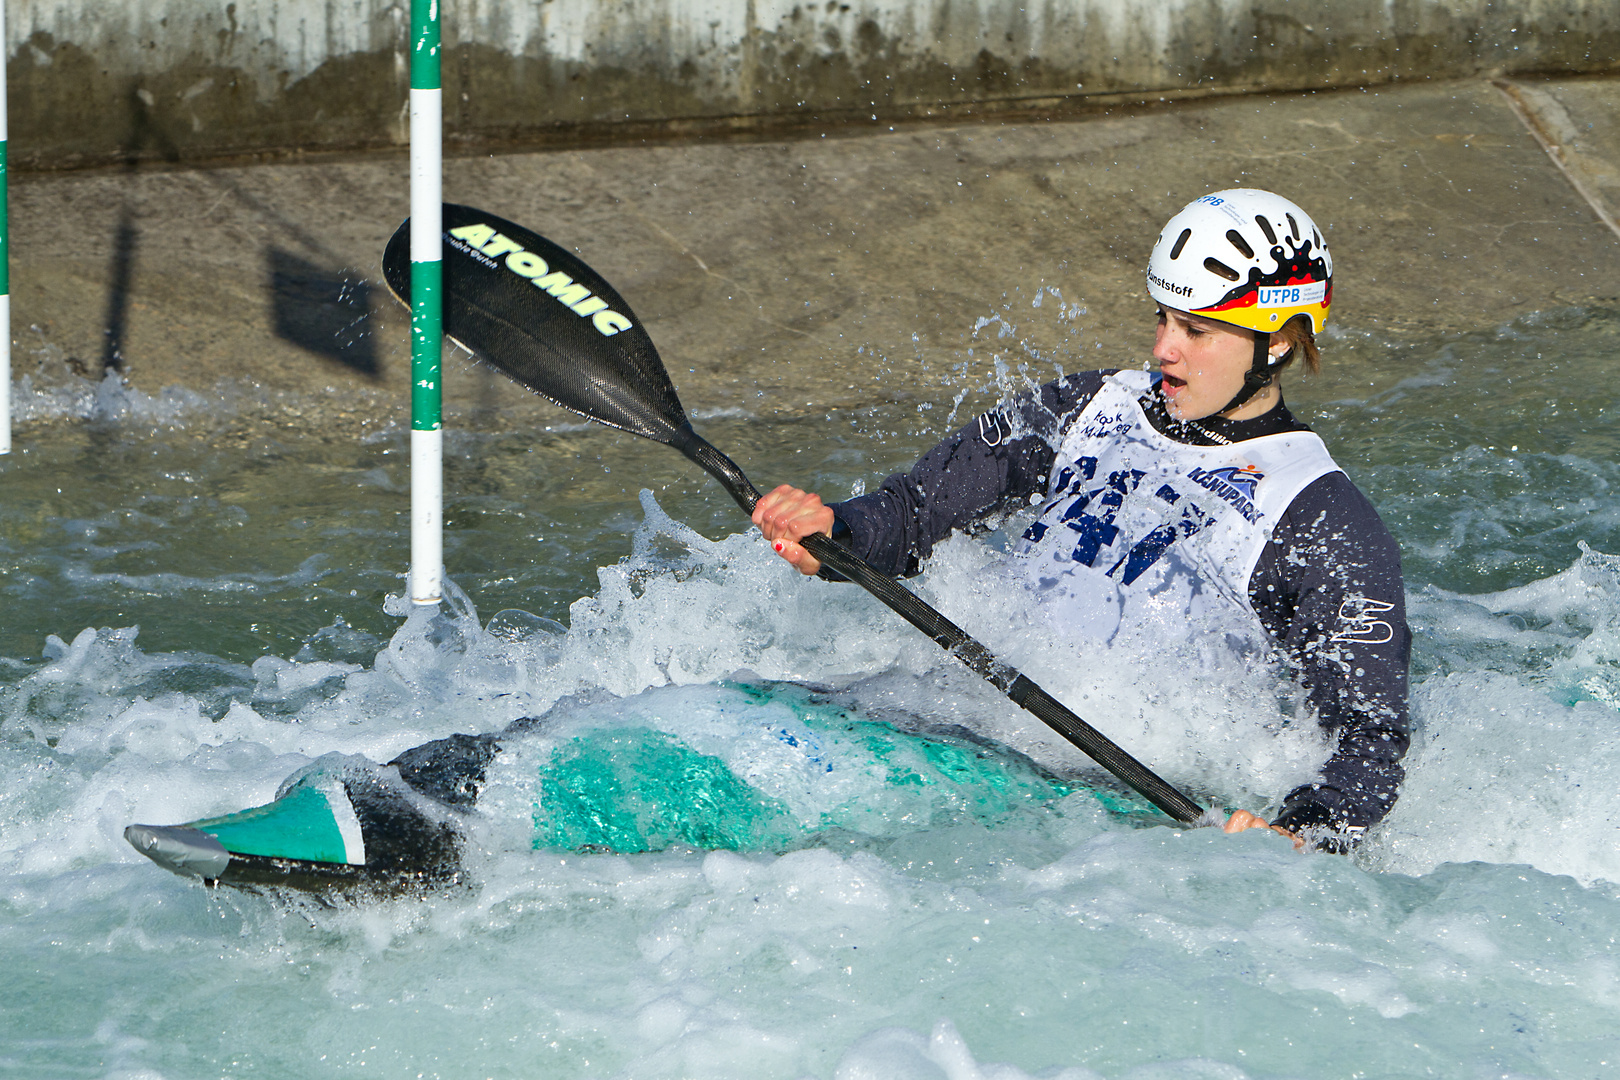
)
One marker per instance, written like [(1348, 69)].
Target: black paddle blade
[(542, 317)]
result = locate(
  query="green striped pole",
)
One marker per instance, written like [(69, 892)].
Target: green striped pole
[(427, 321), (5, 259)]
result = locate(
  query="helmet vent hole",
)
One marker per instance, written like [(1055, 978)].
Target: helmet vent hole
[(1265, 227), (1181, 242), (1318, 238), (1221, 268), (1293, 226), (1240, 243)]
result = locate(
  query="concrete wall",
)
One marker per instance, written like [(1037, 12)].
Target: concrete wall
[(102, 81)]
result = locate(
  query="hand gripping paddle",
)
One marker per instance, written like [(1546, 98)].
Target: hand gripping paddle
[(547, 321)]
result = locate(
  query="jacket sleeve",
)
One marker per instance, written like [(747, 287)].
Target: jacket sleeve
[(988, 467), (1328, 589)]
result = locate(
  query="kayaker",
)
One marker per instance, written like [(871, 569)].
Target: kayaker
[(1185, 491)]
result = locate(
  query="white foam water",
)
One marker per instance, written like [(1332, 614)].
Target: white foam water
[(1474, 930)]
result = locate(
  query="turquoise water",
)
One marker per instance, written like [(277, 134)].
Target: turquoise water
[(925, 886)]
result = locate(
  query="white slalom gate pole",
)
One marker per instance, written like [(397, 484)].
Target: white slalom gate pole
[(427, 325), (5, 258)]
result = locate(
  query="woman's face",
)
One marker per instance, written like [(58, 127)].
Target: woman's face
[(1203, 362)]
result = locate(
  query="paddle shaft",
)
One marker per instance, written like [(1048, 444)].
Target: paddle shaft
[(958, 642)]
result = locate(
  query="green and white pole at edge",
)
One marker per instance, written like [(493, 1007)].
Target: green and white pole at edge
[(427, 315), (5, 259)]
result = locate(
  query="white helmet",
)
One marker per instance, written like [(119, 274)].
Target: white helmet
[(1246, 257)]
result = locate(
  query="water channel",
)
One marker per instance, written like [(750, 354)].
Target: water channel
[(196, 604)]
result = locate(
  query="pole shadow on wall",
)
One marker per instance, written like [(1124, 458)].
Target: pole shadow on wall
[(144, 135), (325, 311), (116, 321)]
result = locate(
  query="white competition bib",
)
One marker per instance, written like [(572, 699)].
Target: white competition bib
[(1139, 528)]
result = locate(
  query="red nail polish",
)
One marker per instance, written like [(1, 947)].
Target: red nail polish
[(777, 545)]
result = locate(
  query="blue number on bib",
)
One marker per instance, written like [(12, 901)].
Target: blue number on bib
[(1147, 550), (1091, 515)]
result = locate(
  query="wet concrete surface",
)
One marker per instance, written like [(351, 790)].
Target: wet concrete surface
[(1578, 126), (822, 272)]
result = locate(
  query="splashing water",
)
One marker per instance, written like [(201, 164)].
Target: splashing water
[(760, 829)]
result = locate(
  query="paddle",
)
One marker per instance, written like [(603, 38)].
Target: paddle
[(549, 322)]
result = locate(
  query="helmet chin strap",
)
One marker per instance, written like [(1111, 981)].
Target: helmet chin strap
[(1258, 376)]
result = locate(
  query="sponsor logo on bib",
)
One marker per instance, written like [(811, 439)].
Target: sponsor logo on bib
[(1235, 484)]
